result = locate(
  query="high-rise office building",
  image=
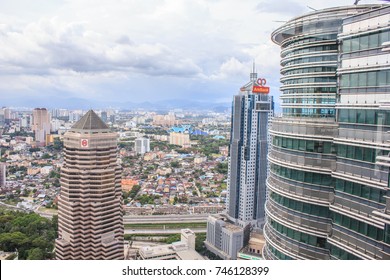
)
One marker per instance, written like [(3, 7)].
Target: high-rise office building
[(251, 113), (252, 110), (90, 218), (142, 145), (3, 174), (41, 125), (7, 114), (320, 204), (360, 216)]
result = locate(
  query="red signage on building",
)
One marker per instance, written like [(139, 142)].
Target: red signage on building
[(84, 143), (259, 89)]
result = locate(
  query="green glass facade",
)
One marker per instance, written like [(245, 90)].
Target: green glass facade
[(329, 159)]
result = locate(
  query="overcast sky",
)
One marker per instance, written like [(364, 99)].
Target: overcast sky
[(70, 53)]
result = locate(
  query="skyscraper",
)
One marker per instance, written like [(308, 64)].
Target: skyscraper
[(90, 218), (251, 112), (41, 125), (361, 207), (3, 174), (318, 206)]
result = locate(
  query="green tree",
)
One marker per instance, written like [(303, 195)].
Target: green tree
[(35, 254)]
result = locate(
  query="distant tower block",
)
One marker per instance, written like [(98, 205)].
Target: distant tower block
[(90, 218)]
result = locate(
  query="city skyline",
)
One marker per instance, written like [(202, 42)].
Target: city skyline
[(75, 54)]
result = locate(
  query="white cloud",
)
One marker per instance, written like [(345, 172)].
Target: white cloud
[(98, 47)]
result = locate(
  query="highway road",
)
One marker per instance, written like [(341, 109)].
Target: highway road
[(160, 231), (138, 219), (196, 218)]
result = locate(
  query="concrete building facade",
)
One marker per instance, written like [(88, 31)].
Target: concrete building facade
[(90, 217), (142, 145)]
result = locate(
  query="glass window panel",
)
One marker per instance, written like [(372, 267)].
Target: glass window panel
[(350, 151), (294, 174), (297, 235), (374, 40), (289, 143), (352, 116), (323, 212), (345, 80), (384, 36), (310, 146), (370, 116), (362, 228), (342, 150), (312, 240), (317, 179), (300, 176), (356, 189), (326, 180), (343, 115), (382, 78), (337, 218), (371, 79), (284, 142), (354, 80), (306, 208), (292, 204), (314, 210), (367, 155), (375, 194), (295, 144), (372, 231), (348, 187), (339, 185), (346, 221), (308, 177), (290, 232), (360, 116), (354, 225), (355, 44), (365, 192), (302, 146), (362, 79), (359, 153), (380, 234), (327, 147), (363, 40), (346, 45)]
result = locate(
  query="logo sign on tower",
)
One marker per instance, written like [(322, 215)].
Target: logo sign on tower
[(84, 143), (261, 88)]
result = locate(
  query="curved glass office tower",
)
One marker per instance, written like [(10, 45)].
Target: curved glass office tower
[(303, 155), (360, 209)]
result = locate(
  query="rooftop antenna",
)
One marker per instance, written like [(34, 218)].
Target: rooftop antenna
[(253, 75), (312, 8), (356, 2)]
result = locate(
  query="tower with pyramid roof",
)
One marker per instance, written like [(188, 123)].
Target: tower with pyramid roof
[(90, 219)]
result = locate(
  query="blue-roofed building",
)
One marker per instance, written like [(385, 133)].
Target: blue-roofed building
[(184, 128), (199, 132)]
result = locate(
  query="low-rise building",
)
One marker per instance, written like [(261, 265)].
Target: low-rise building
[(181, 250)]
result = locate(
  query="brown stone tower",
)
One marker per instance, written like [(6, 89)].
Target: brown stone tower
[(90, 219)]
